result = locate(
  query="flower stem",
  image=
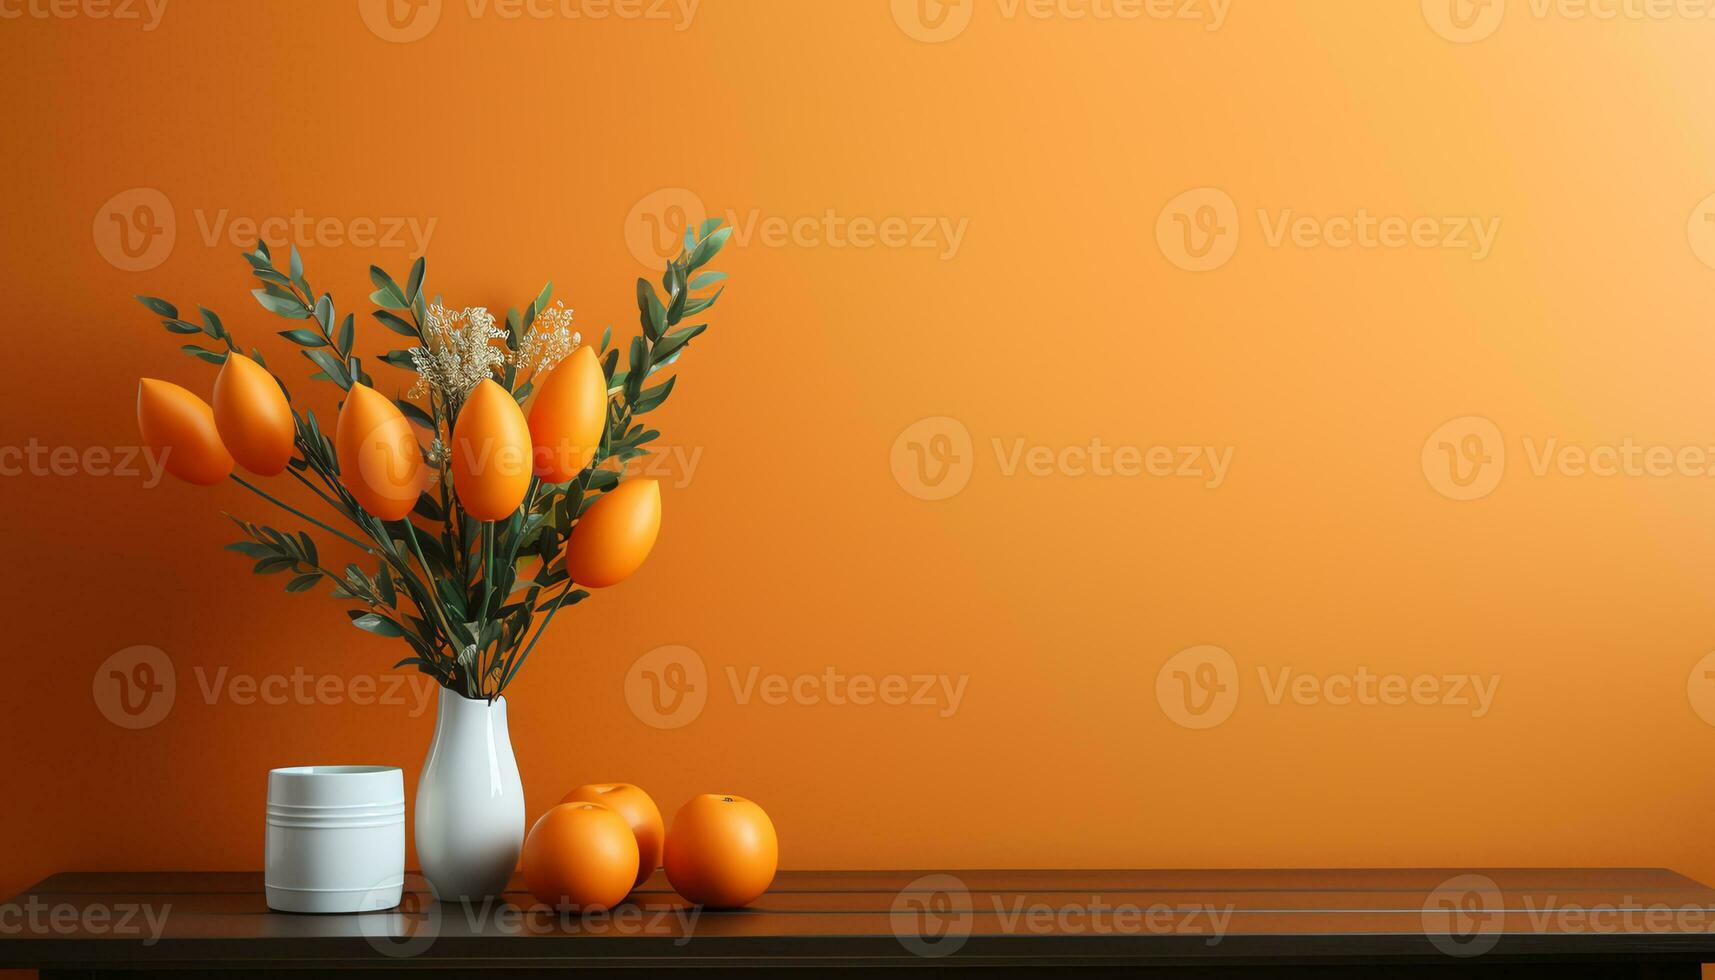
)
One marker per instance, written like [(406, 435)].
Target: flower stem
[(265, 495)]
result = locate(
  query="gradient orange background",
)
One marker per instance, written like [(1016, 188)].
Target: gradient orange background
[(793, 549)]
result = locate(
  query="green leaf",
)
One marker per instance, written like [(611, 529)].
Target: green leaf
[(707, 279), (707, 249), (652, 313), (268, 566), (331, 366), (376, 623), (304, 337), (651, 398), (304, 582), (288, 307), (707, 226), (347, 334), (203, 354), (543, 296), (383, 298), (211, 324), (393, 322), (297, 264), (399, 359), (180, 326), (160, 307), (414, 285)]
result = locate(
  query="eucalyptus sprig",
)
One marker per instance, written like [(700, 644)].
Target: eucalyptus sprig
[(465, 595)]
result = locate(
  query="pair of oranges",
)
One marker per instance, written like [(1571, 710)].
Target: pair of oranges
[(605, 839)]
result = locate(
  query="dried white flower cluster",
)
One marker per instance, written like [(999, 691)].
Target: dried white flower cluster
[(460, 353), (550, 340)]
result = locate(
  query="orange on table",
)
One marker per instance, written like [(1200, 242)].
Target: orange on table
[(639, 810), (721, 851), (580, 854)]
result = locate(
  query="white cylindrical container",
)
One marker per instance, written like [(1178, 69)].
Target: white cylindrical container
[(336, 838)]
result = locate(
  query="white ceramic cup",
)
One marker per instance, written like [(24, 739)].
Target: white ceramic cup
[(336, 838)]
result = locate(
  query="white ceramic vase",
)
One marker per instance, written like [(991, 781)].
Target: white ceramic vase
[(470, 801)]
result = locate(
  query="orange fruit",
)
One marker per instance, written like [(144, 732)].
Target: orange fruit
[(612, 538), (179, 428), (380, 461), (253, 416), (491, 453), (568, 416), (582, 855), (721, 851), (639, 811)]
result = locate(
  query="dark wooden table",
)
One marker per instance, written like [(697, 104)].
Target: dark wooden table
[(1563, 922)]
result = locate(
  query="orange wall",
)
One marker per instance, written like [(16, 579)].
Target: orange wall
[(795, 545)]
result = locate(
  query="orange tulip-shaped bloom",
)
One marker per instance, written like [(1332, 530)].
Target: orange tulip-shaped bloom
[(569, 416), (491, 453), (614, 536), (178, 427), (253, 416), (380, 461)]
